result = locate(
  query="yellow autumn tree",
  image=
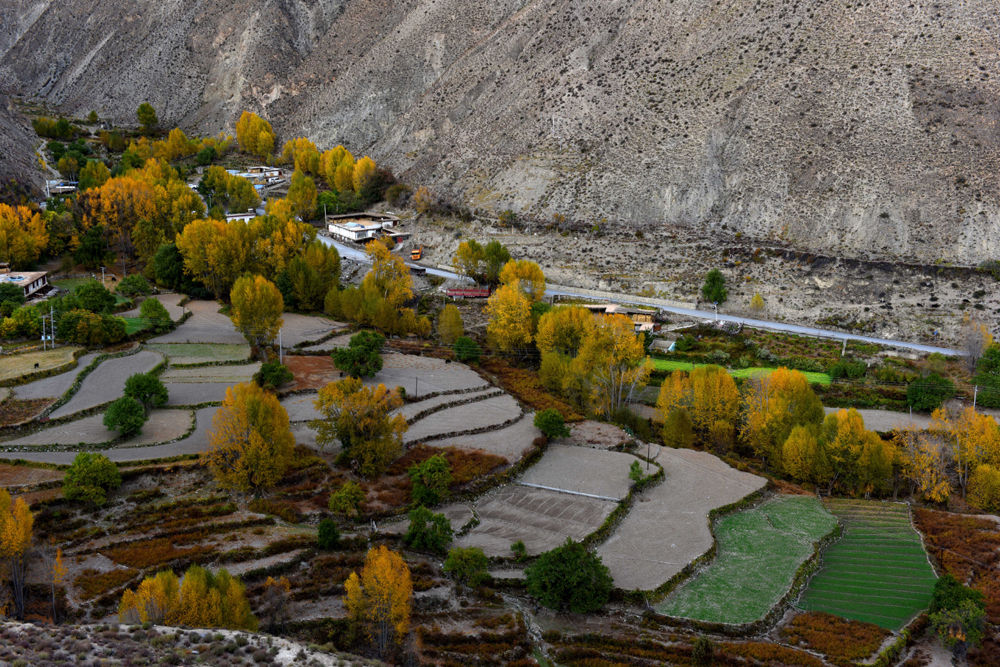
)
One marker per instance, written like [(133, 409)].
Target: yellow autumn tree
[(389, 276), (757, 304), (563, 329), (380, 598), (773, 404), (856, 459), (449, 326), (58, 576), (364, 170), (254, 135), (614, 360), (924, 459), (984, 488), (707, 393), (799, 454), (250, 444), (302, 154), (202, 600), (527, 275), (974, 439), (16, 526), (256, 310), (302, 195), (360, 418), (330, 163), (509, 310), (23, 235)]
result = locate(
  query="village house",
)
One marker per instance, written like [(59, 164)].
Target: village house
[(29, 281), (361, 227)]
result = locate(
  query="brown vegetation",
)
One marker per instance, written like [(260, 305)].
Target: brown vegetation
[(841, 640), (526, 387)]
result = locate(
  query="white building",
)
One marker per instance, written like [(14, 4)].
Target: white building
[(359, 227), (29, 281)]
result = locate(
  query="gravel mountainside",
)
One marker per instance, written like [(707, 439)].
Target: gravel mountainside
[(17, 158), (859, 129)]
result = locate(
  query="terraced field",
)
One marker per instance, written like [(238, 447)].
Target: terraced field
[(877, 572), (758, 553)]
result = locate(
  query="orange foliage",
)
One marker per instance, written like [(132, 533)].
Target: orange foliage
[(525, 385), (842, 641)]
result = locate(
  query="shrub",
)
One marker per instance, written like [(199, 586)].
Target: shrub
[(346, 500), (87, 328), (928, 393), (714, 289), (685, 343), (569, 577), (848, 368), (90, 478), (635, 472), (984, 488), (467, 566), (701, 652), (126, 415), (327, 537), (428, 531), (550, 422), (949, 593), (147, 389), (134, 285), (272, 375), (519, 550), (156, 313), (431, 480), (467, 350), (361, 358), (93, 296)]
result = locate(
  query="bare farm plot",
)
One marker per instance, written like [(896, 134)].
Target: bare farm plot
[(16, 366), (206, 325), (511, 442), (107, 382), (541, 519), (298, 329), (204, 384), (55, 385), (582, 470), (758, 552), (163, 425), (301, 407), (425, 375), (667, 527), (201, 353), (495, 411)]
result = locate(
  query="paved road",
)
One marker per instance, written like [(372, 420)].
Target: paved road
[(355, 253)]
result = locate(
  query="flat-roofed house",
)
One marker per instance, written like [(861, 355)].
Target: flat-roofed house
[(29, 281)]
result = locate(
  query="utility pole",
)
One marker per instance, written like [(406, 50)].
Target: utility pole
[(102, 276), (843, 350), (281, 356), (975, 395)]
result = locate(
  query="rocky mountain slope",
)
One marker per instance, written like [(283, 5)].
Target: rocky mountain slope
[(17, 159), (856, 128)]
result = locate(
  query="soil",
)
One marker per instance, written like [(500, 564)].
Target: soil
[(15, 411), (11, 476), (311, 372)]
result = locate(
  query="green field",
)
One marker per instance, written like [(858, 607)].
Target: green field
[(202, 353), (877, 572), (135, 324), (758, 552), (671, 365)]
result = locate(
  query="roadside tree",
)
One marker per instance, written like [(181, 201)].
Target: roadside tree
[(714, 289), (509, 310)]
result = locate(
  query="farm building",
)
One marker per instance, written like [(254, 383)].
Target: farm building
[(642, 319), (29, 281), (360, 227)]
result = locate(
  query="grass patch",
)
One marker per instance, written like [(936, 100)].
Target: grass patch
[(16, 366), (877, 572), (672, 365), (200, 353), (758, 553), (134, 325)]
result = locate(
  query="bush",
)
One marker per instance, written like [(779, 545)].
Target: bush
[(272, 375), (848, 368), (147, 389), (90, 478), (134, 285), (928, 393), (431, 480), (685, 343), (569, 577), (346, 500), (328, 537), (428, 531), (550, 422), (949, 593), (467, 566), (467, 350), (157, 314), (361, 358), (93, 296), (701, 652), (635, 472), (714, 289), (519, 551), (126, 415)]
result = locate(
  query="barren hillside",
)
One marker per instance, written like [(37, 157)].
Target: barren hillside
[(857, 128), (17, 159)]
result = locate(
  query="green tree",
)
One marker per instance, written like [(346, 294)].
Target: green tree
[(949, 593), (495, 256), (147, 117), (467, 350), (928, 393), (90, 478), (94, 174), (93, 296), (168, 266), (450, 326), (428, 531), (988, 377), (431, 480), (272, 375), (960, 628), (156, 313), (550, 422), (327, 537), (134, 285), (126, 415), (302, 195), (569, 577), (93, 248), (361, 358), (346, 500), (714, 289), (147, 389), (467, 566)]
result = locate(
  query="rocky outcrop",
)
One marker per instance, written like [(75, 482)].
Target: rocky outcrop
[(20, 176), (866, 129)]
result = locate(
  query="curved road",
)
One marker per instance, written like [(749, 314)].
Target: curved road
[(357, 254)]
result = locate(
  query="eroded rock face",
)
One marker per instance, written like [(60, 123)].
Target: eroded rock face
[(868, 129), (19, 173)]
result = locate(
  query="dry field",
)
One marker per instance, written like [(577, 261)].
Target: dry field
[(15, 366)]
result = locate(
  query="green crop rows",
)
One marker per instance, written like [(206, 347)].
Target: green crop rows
[(758, 553), (877, 572), (671, 365)]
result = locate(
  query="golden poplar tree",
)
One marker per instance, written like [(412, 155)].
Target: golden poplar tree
[(250, 445), (563, 329), (450, 326), (302, 195), (364, 170), (23, 235), (381, 597), (773, 404), (509, 310), (302, 154), (799, 454), (974, 438), (389, 276), (708, 393), (201, 600), (254, 135), (757, 304), (528, 276), (256, 310), (925, 463), (614, 360), (16, 525)]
